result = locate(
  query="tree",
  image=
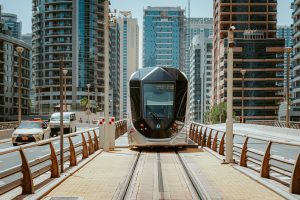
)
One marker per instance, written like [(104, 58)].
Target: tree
[(83, 103), (217, 113)]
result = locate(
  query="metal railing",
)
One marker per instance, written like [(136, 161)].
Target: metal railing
[(294, 125), (8, 125), (121, 128), (88, 144), (266, 163)]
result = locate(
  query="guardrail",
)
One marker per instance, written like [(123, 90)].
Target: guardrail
[(88, 144), (8, 125), (283, 124), (121, 128), (265, 163)]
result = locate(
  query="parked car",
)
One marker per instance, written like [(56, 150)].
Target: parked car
[(30, 131), (69, 120)]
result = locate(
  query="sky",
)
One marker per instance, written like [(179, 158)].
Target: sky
[(199, 8)]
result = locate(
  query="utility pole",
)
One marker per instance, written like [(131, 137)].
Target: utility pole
[(61, 103), (288, 50), (229, 120), (106, 75)]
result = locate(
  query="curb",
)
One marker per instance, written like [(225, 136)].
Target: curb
[(57, 181), (256, 178)]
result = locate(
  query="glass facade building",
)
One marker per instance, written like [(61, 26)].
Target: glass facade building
[(257, 50), (195, 26), (200, 76), (11, 20), (73, 31), (163, 37)]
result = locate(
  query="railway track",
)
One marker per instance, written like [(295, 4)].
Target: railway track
[(160, 174)]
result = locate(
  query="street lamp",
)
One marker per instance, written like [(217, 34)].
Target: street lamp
[(65, 71), (88, 111), (288, 50), (229, 120), (20, 51), (243, 72), (198, 110), (61, 66)]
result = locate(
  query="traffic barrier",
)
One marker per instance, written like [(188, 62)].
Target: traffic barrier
[(85, 147), (265, 163)]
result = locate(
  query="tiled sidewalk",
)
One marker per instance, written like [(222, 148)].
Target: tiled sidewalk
[(221, 181), (99, 179)]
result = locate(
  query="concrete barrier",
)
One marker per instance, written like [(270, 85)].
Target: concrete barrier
[(6, 134)]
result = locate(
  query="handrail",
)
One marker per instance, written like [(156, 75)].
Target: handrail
[(292, 124), (89, 144), (215, 140)]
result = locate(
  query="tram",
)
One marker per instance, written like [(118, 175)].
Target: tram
[(158, 102)]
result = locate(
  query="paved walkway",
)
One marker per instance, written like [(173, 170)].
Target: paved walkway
[(99, 179), (221, 181)]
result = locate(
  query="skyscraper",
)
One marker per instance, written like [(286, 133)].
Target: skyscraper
[(11, 20), (296, 69), (257, 50), (72, 31), (163, 37), (200, 76), (114, 66), (195, 26), (129, 57), (9, 74)]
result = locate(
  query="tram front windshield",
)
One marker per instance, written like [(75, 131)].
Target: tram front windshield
[(158, 100)]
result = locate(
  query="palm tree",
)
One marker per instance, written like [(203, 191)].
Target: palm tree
[(84, 102)]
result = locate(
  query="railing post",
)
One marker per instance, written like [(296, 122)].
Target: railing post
[(208, 144), (243, 160), (85, 153), (200, 136), (295, 179), (215, 142), (204, 138), (96, 142), (191, 128), (27, 183), (265, 166), (196, 133), (73, 158), (54, 162), (221, 147), (91, 145)]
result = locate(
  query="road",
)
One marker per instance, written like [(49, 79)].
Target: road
[(11, 160)]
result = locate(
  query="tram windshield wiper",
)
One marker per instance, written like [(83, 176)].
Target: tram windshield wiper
[(155, 116)]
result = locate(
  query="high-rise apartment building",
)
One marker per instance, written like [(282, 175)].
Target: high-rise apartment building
[(9, 74), (257, 50), (114, 66), (129, 56), (195, 26), (296, 68), (11, 20), (71, 31), (200, 76), (163, 37)]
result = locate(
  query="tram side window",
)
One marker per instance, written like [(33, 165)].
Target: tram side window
[(135, 102)]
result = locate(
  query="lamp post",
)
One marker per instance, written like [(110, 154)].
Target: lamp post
[(229, 120), (288, 50), (198, 110), (61, 65), (65, 71), (88, 111), (243, 72), (20, 51)]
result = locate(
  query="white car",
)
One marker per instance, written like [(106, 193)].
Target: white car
[(30, 131), (69, 120)]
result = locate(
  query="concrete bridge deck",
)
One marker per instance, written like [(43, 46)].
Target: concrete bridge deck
[(104, 177)]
